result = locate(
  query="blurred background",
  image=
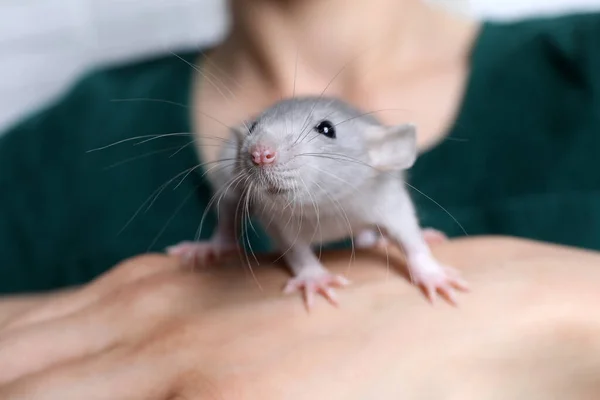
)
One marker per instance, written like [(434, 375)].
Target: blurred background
[(46, 44)]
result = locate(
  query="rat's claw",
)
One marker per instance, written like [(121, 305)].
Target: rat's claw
[(429, 292), (312, 282), (435, 279), (448, 293), (309, 295), (329, 294)]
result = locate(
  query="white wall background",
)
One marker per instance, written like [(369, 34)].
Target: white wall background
[(45, 44), (511, 9)]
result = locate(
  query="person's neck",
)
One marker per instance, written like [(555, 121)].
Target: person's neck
[(284, 41)]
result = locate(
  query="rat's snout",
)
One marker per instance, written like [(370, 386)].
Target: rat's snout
[(262, 154)]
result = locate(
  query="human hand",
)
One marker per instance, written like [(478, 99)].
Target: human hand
[(151, 330)]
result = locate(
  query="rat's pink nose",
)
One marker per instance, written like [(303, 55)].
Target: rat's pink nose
[(262, 155)]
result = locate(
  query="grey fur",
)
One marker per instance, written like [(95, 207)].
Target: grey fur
[(321, 189)]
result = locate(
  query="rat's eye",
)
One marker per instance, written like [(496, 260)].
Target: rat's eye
[(251, 127), (326, 128)]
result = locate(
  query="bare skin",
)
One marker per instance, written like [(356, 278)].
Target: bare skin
[(152, 330), (408, 60)]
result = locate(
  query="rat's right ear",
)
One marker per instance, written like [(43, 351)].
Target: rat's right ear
[(392, 148)]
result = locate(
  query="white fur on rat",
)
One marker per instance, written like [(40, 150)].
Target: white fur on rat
[(315, 170)]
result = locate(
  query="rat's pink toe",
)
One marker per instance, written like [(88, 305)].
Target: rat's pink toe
[(448, 294), (430, 292), (329, 294), (312, 283), (436, 279)]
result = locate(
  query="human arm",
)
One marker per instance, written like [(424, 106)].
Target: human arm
[(151, 330)]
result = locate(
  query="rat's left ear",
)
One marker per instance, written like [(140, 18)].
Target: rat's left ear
[(392, 148)]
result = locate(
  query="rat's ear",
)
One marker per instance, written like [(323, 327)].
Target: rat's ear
[(392, 148)]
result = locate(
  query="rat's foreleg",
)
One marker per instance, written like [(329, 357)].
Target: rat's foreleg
[(310, 275), (369, 238), (222, 243), (402, 227)]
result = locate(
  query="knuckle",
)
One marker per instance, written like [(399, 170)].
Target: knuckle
[(140, 267), (157, 297)]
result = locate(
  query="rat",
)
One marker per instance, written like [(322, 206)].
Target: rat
[(316, 170)]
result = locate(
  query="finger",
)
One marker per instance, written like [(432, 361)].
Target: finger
[(34, 348), (107, 376), (129, 271)]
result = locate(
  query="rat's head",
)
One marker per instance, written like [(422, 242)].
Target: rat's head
[(310, 147)]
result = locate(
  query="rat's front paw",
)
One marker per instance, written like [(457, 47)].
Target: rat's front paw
[(316, 280), (370, 238), (434, 278), (200, 253)]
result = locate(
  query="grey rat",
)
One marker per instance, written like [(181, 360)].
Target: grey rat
[(315, 170)]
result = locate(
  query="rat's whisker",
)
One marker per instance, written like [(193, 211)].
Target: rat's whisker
[(221, 70), (222, 192), (128, 160), (152, 198), (198, 70), (310, 114), (371, 113), (149, 200), (206, 76), (297, 233), (339, 206), (315, 135), (246, 216), (217, 79), (315, 207), (159, 234), (439, 205), (148, 138), (188, 144), (138, 138), (225, 141), (336, 157), (185, 174), (387, 254), (205, 172), (147, 99), (317, 214), (249, 196), (294, 88)]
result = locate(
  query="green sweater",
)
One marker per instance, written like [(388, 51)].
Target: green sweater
[(521, 158)]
